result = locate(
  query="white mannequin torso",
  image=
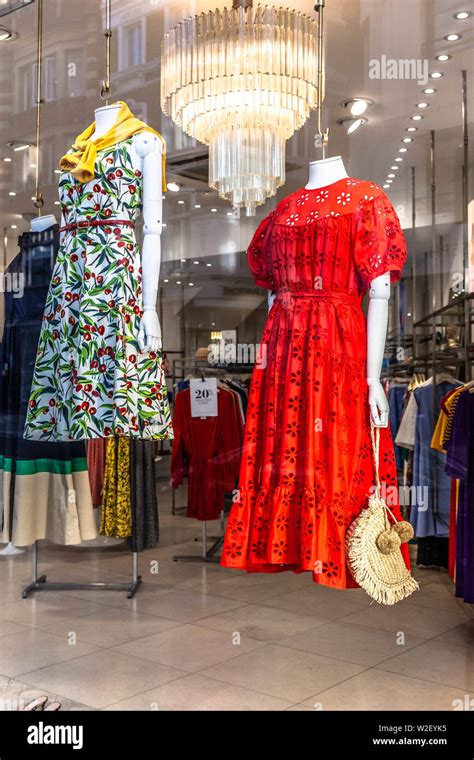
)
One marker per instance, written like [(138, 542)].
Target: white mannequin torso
[(325, 172), (42, 223)]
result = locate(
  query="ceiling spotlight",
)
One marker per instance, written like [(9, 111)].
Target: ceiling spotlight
[(197, 205), (453, 37), (429, 91), (164, 224), (417, 117), (213, 210), (14, 226), (209, 265), (18, 145), (389, 181), (386, 186), (407, 139), (174, 187), (351, 125), (423, 105), (190, 284), (7, 159), (180, 203), (178, 282), (229, 213), (436, 75), (11, 193), (183, 261), (166, 280), (57, 171), (57, 203), (443, 57), (358, 106), (391, 176), (399, 159), (6, 35), (195, 262), (411, 129), (402, 150), (462, 15), (395, 168)]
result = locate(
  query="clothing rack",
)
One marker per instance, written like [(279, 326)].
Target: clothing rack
[(39, 583), (202, 368)]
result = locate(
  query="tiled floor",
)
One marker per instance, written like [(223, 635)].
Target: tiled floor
[(197, 636)]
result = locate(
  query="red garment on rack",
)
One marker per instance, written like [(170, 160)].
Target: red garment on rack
[(96, 466), (208, 451)]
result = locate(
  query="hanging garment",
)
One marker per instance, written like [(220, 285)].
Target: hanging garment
[(143, 499), (44, 487), (207, 451), (96, 450), (90, 379), (460, 465), (432, 488), (396, 400), (116, 515), (307, 465)]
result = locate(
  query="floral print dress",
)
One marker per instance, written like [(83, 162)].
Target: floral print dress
[(90, 378), (307, 465)]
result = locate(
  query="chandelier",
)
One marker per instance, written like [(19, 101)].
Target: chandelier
[(241, 81)]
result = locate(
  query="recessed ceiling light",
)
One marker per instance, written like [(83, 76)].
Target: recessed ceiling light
[(6, 35), (183, 261), (11, 192), (213, 210), (389, 181), (174, 187), (7, 159), (352, 124), (195, 262), (165, 280), (164, 224), (229, 213), (387, 187), (399, 159), (395, 168), (411, 129), (436, 75), (209, 265), (190, 284), (18, 145), (180, 203), (357, 106), (429, 91), (417, 117), (423, 105), (57, 171), (402, 150), (442, 57), (462, 15), (391, 176), (14, 226), (407, 139), (197, 205), (178, 282), (57, 203), (453, 37)]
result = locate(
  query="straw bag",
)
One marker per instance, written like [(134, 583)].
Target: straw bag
[(373, 546)]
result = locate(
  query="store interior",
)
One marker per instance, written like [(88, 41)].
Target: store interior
[(173, 629)]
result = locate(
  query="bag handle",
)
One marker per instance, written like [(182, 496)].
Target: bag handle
[(375, 438)]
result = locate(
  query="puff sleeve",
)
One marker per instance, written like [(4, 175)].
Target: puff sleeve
[(259, 253), (379, 245)]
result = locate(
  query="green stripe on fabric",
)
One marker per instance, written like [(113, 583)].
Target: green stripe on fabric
[(33, 466)]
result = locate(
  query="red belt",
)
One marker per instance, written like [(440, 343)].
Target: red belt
[(96, 223)]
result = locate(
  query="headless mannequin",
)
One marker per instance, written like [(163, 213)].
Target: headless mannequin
[(321, 174), (147, 155)]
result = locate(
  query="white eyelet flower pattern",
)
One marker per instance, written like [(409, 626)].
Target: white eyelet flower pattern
[(292, 219), (303, 199)]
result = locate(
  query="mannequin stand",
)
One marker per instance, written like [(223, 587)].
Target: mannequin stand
[(41, 584), (208, 555)]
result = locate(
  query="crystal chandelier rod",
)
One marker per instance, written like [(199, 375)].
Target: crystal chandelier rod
[(322, 136)]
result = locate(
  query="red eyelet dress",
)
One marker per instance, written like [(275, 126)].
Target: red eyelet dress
[(307, 465)]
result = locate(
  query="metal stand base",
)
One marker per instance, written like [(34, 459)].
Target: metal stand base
[(208, 555), (41, 584)]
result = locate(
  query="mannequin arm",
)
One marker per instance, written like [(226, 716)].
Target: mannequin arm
[(149, 148), (377, 320)]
